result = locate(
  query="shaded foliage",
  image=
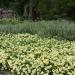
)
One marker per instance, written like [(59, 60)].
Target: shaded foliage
[(48, 9)]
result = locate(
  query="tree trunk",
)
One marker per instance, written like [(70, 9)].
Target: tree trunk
[(25, 14), (30, 9)]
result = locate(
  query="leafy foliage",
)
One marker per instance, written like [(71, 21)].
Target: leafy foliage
[(49, 9), (24, 54)]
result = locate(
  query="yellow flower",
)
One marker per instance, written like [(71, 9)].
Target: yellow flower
[(46, 61)]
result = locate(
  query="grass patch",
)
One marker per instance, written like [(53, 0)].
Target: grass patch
[(60, 28), (8, 21)]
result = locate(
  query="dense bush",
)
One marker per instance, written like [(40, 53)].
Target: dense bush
[(25, 54)]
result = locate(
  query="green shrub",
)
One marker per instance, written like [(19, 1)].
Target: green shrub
[(9, 21), (25, 54)]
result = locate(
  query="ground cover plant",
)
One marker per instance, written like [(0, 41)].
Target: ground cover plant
[(10, 21), (25, 54), (60, 28)]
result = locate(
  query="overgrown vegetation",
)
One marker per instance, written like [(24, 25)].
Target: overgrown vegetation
[(25, 54), (34, 38), (48, 9), (60, 28)]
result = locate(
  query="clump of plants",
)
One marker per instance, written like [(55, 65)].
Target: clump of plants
[(25, 54)]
